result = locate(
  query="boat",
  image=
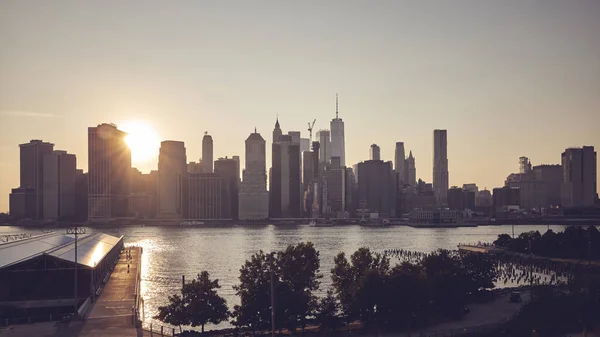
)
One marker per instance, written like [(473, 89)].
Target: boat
[(314, 223), (191, 223)]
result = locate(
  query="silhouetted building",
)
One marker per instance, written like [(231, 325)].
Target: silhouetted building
[(284, 183), (228, 169), (304, 145), (455, 198), (338, 143), (375, 187), (579, 177), (23, 203), (440, 165), (551, 177), (334, 185), (410, 170), (506, 197), (253, 196), (207, 153), (351, 192), (208, 196), (172, 184), (60, 170), (324, 137), (400, 164), (195, 167), (484, 198), (295, 136), (109, 165), (32, 174), (374, 152)]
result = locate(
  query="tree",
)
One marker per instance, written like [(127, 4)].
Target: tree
[(359, 285), (298, 270), (198, 305), (203, 304), (328, 312), (503, 240), (174, 313), (254, 290)]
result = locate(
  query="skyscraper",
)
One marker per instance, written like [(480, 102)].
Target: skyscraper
[(375, 152), (207, 153), (284, 183), (579, 177), (440, 165), (324, 138), (376, 187), (334, 182), (400, 163), (295, 135), (277, 133), (338, 147), (411, 170), (109, 167), (254, 197), (172, 183), (228, 170), (208, 196), (32, 173), (60, 169)]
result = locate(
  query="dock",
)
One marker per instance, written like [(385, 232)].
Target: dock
[(114, 312)]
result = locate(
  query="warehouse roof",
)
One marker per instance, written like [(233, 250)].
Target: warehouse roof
[(91, 248)]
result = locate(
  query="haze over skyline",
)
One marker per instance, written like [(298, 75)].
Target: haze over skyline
[(505, 78)]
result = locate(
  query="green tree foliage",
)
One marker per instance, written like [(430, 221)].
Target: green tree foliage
[(204, 305), (574, 242), (199, 304), (254, 310), (328, 312), (296, 274), (359, 284), (174, 313), (298, 269)]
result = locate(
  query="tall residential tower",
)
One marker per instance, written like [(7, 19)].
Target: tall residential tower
[(172, 184), (440, 165), (207, 153)]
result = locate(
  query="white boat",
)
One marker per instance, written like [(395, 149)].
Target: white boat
[(312, 223), (373, 223)]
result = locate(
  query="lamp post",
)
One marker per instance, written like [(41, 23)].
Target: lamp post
[(75, 231), (271, 258)]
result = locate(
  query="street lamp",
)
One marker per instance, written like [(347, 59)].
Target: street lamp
[(75, 231)]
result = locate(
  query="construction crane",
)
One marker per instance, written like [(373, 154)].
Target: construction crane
[(310, 128)]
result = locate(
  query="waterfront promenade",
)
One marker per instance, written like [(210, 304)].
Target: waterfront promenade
[(113, 312), (109, 315)]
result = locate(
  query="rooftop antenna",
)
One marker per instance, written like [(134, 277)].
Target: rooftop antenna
[(336, 105)]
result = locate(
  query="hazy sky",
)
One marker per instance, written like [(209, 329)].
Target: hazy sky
[(505, 78)]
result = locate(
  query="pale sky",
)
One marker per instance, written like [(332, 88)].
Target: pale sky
[(506, 78)]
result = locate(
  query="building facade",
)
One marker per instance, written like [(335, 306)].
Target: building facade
[(324, 137), (227, 168), (207, 153), (579, 177), (375, 187), (208, 196), (334, 182), (374, 152), (254, 197), (551, 177), (284, 183), (440, 165), (338, 143), (400, 163), (32, 175), (60, 170), (172, 184), (109, 166), (411, 170)]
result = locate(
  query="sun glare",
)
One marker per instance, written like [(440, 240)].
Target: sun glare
[(142, 139)]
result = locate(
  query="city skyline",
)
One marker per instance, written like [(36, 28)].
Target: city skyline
[(502, 91)]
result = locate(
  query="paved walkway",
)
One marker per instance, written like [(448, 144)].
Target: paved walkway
[(111, 314), (480, 314)]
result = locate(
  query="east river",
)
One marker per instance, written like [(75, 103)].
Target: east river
[(170, 252)]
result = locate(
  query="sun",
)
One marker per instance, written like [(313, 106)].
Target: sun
[(142, 139)]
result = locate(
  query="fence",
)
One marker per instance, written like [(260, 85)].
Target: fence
[(155, 332)]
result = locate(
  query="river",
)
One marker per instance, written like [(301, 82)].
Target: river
[(170, 252)]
